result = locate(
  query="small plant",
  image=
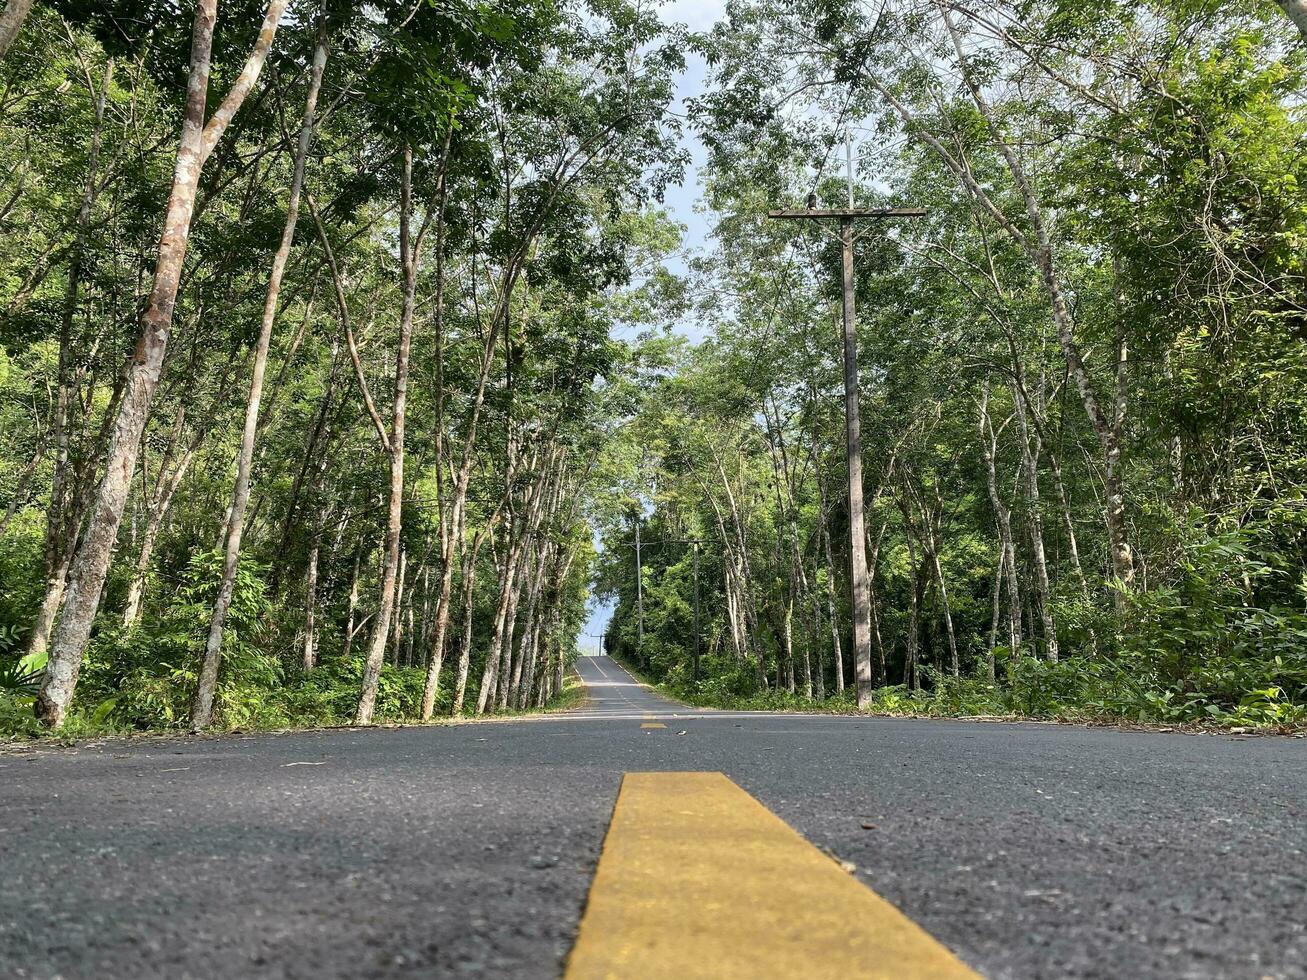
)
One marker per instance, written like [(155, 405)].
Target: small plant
[(21, 678)]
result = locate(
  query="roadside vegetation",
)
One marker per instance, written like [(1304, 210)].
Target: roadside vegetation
[(302, 378), (1084, 432), (1033, 691)]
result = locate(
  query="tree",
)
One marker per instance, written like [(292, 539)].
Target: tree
[(198, 140)]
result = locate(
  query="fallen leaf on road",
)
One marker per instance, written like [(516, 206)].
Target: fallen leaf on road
[(287, 765), (866, 825)]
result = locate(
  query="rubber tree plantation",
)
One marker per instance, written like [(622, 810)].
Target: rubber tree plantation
[(348, 350)]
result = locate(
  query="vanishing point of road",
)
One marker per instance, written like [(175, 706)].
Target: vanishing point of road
[(636, 837)]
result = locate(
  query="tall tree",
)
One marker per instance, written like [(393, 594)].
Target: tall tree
[(198, 140)]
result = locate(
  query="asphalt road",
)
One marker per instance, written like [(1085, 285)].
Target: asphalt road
[(468, 850)]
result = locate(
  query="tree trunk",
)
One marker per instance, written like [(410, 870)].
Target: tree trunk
[(797, 585), (996, 611), (465, 649), (63, 518), (1296, 10), (814, 645), (351, 605), (553, 655), (88, 572), (1030, 472), (397, 624), (11, 22), (1073, 546), (504, 678), (408, 634), (437, 658), (932, 529), (876, 639), (948, 614), (310, 606), (450, 521), (1123, 565), (38, 639), (410, 253), (785, 668), (153, 525), (559, 669), (535, 572), (832, 609), (486, 695), (524, 678), (202, 711), (1003, 518), (911, 668)]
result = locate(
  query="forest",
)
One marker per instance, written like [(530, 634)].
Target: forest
[(348, 351)]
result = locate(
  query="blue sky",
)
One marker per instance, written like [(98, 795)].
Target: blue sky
[(698, 15)]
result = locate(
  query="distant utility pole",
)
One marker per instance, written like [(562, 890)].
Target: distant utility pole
[(639, 595), (858, 577), (696, 609)]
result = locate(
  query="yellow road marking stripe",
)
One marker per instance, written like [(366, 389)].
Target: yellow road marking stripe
[(653, 724), (699, 879)]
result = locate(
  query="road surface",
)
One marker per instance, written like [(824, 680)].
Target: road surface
[(470, 850)]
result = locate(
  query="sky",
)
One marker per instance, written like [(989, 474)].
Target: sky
[(698, 15)]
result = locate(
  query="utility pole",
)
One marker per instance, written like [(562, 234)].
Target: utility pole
[(696, 609), (858, 576), (639, 595)]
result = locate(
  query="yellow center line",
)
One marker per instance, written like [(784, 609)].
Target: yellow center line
[(653, 724), (699, 879)]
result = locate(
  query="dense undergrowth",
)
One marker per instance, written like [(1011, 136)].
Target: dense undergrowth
[(127, 689), (1129, 688), (325, 698)]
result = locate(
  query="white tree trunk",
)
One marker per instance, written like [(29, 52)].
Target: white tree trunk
[(310, 607), (91, 566), (410, 254), (11, 22), (202, 711), (1295, 9)]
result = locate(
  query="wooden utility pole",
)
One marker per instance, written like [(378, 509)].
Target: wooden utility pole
[(858, 576), (696, 609), (639, 594)]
